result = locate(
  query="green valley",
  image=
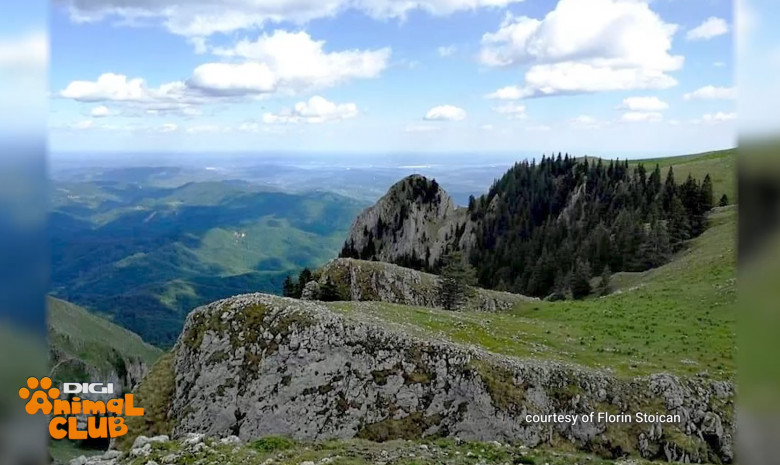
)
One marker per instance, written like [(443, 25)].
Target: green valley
[(144, 256)]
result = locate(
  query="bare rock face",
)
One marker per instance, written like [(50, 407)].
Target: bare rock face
[(258, 365), (311, 291), (361, 280), (411, 225)]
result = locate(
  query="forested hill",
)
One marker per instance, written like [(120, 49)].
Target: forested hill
[(546, 228)]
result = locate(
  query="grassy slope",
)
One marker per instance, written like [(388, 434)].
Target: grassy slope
[(90, 338), (93, 340), (678, 318), (720, 165)]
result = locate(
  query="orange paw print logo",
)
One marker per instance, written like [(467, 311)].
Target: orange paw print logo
[(37, 393)]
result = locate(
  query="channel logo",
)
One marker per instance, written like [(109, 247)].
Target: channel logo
[(105, 419)]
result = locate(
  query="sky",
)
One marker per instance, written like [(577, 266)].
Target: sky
[(630, 77)]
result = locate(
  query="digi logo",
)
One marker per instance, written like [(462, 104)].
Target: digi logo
[(104, 419)]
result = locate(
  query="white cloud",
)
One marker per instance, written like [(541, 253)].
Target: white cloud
[(447, 51), (233, 79), (254, 127), (200, 18), (135, 95), (712, 27), (642, 117), (84, 124), (712, 93), (30, 51), (207, 129), (281, 63), (719, 117), (117, 87), (508, 93), (487, 127), (585, 46), (413, 128), (653, 104), (445, 113), (512, 110), (93, 125), (587, 122), (316, 110), (108, 86), (294, 62), (101, 112), (719, 64)]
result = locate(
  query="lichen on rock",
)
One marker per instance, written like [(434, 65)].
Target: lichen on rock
[(295, 369)]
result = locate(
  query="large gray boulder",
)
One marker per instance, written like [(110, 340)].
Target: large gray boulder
[(361, 280), (258, 365)]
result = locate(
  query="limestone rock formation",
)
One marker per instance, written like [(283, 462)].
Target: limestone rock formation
[(257, 365), (361, 280), (411, 225)]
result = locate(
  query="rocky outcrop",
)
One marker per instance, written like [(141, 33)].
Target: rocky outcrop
[(124, 372), (258, 365), (361, 280), (411, 225), (84, 347)]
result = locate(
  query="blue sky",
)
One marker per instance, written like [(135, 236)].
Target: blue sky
[(625, 77)]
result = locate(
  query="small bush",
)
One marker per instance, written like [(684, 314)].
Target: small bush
[(273, 444)]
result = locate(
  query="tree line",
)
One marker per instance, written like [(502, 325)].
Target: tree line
[(546, 229)]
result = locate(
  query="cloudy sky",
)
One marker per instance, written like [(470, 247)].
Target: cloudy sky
[(596, 76)]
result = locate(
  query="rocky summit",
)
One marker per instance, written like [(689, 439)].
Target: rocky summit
[(412, 225), (256, 365)]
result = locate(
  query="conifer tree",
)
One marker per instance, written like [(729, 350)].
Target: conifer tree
[(303, 278), (604, 282), (707, 201), (329, 292), (580, 280), (289, 287), (455, 280)]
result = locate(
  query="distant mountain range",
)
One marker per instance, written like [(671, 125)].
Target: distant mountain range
[(146, 255)]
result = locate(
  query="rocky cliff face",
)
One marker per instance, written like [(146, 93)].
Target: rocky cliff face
[(258, 365), (124, 373), (411, 225), (87, 348), (361, 280)]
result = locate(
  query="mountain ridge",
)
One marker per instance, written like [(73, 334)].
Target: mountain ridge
[(543, 229)]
